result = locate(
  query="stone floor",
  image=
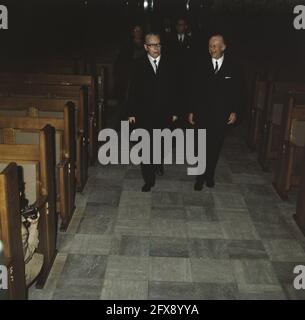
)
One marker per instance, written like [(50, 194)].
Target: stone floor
[(237, 241)]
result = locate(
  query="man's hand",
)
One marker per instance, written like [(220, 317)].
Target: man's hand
[(132, 120), (174, 118), (191, 118), (232, 119)]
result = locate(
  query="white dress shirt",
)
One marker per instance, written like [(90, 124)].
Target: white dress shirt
[(181, 37), (219, 62), (153, 64)]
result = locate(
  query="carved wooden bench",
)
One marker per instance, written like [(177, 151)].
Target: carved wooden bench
[(292, 141), (21, 129), (38, 173)]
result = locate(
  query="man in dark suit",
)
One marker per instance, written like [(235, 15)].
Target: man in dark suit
[(132, 50), (215, 102), (180, 41), (181, 50), (152, 98)]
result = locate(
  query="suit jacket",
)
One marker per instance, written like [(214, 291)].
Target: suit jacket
[(152, 97), (128, 54), (175, 47), (214, 97), (183, 56)]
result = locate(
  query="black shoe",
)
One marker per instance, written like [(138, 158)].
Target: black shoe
[(210, 183), (146, 187), (160, 170), (198, 186)]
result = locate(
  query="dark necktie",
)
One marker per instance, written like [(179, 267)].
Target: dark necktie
[(216, 68), (155, 62)]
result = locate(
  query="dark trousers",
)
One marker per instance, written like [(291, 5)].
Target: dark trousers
[(214, 141), (149, 170), (149, 173)]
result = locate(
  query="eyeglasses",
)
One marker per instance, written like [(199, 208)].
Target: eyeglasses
[(154, 45)]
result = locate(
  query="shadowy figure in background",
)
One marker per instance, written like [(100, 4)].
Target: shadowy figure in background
[(130, 52), (180, 48)]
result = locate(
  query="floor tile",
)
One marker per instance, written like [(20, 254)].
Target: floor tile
[(246, 249), (79, 266), (212, 270), (122, 289), (169, 247), (170, 269), (284, 250), (128, 268), (239, 230), (96, 225), (134, 246), (166, 199), (168, 228), (205, 230), (201, 214), (140, 227), (78, 289), (208, 248)]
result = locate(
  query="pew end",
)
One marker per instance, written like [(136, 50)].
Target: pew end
[(61, 115), (10, 235), (289, 162), (41, 156)]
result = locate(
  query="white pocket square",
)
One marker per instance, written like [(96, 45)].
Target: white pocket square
[(228, 78)]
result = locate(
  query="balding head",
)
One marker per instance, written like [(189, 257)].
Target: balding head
[(153, 44), (217, 46)]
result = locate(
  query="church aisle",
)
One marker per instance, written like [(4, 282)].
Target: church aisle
[(237, 241)]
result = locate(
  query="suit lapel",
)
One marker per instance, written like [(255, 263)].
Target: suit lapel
[(160, 66), (223, 66), (211, 67), (149, 67)]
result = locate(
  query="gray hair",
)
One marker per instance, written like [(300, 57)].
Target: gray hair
[(152, 34), (219, 36)]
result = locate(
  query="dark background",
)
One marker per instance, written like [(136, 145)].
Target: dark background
[(259, 29)]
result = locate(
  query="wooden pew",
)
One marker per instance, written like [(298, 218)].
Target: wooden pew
[(108, 64), (60, 65), (24, 129), (102, 95), (40, 106), (288, 163), (257, 109), (300, 212), (50, 98), (10, 232), (79, 81), (272, 115), (38, 163), (72, 64)]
